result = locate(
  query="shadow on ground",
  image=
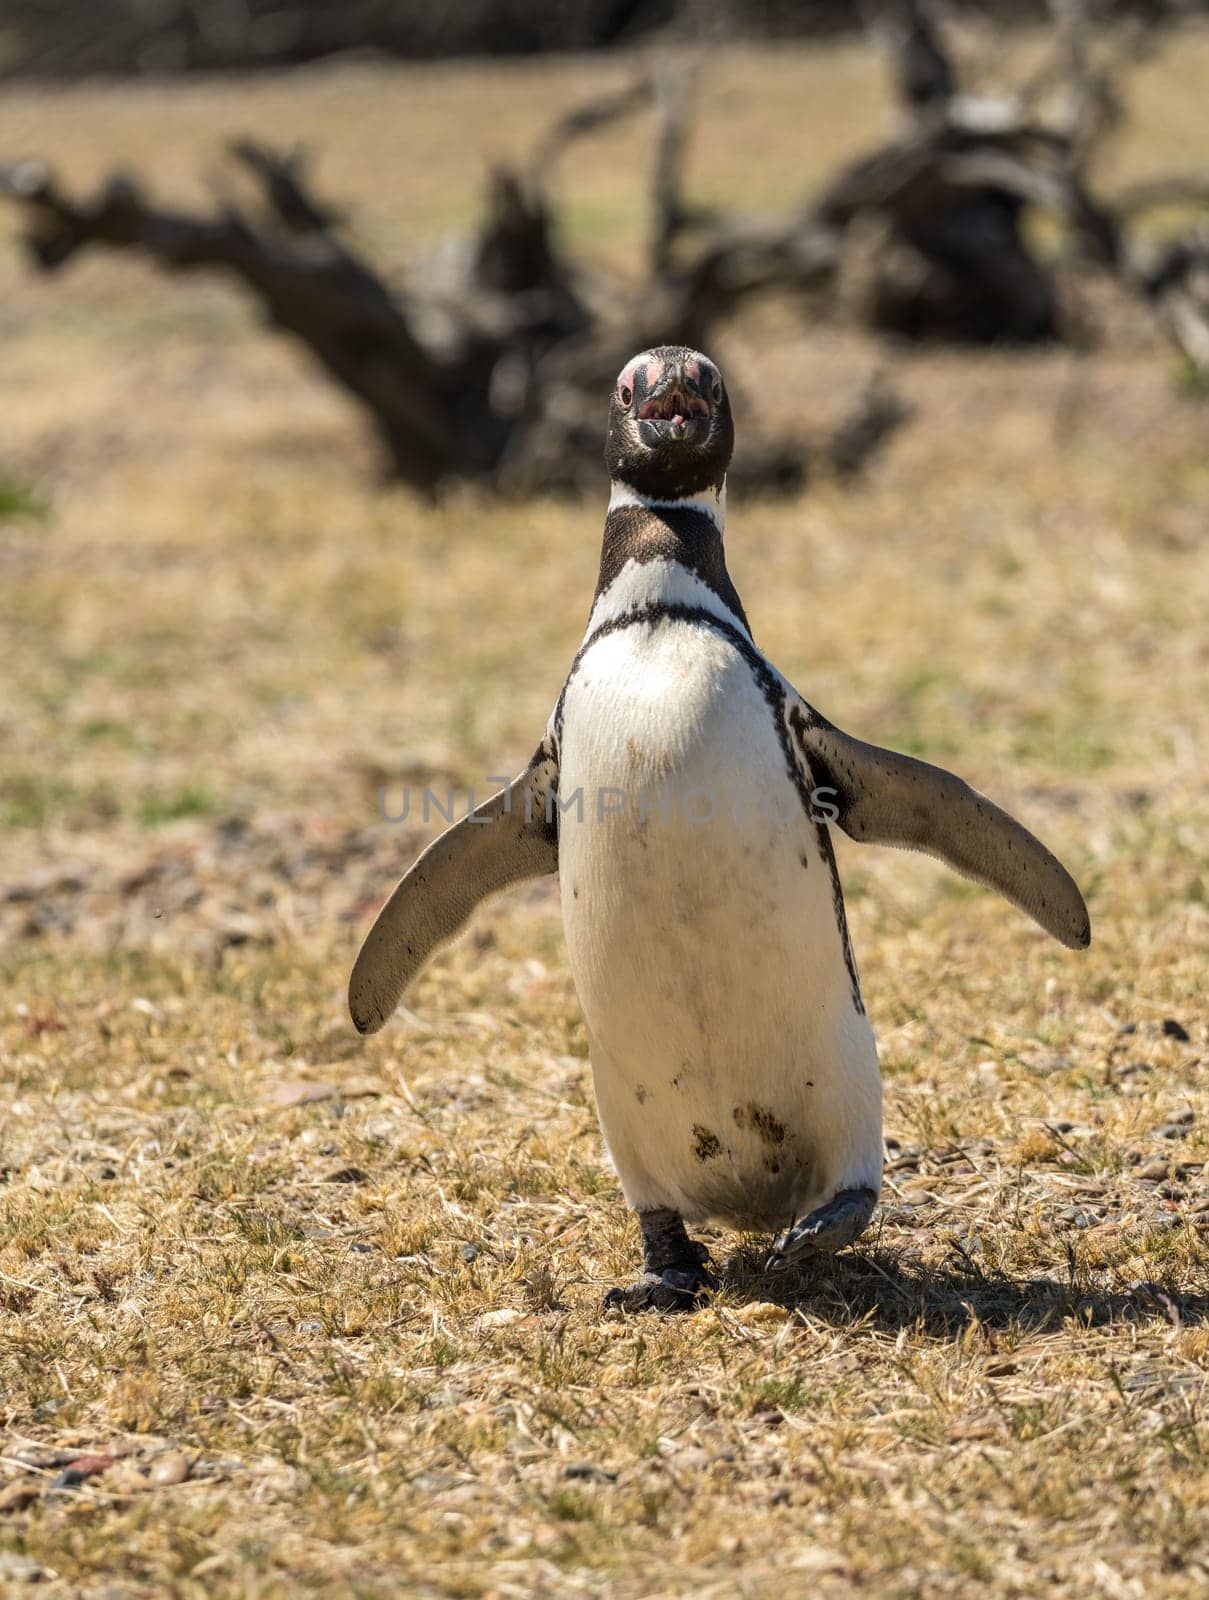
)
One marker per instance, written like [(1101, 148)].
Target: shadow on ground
[(888, 1289)]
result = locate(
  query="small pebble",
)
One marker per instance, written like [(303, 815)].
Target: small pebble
[(503, 1318), (1158, 1167), (170, 1468), (470, 1253), (1176, 1030), (1076, 1217)]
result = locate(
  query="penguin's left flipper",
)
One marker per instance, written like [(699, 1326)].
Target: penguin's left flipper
[(508, 838), (885, 798)]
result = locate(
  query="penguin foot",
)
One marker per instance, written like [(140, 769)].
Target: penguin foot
[(673, 1289), (843, 1219), (676, 1275)]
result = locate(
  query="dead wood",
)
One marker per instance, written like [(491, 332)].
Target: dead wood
[(498, 376)]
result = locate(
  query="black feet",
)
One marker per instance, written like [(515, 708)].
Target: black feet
[(675, 1278), (673, 1289), (843, 1219)]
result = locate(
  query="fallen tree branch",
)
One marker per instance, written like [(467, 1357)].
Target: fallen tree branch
[(498, 380)]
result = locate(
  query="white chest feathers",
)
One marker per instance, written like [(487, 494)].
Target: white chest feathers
[(735, 1075)]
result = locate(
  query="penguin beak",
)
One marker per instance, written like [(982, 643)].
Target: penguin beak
[(675, 413)]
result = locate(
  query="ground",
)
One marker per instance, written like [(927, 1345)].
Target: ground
[(342, 1298)]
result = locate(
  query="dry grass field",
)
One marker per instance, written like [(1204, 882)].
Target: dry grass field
[(333, 1306)]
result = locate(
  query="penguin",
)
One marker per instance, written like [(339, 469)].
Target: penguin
[(684, 793)]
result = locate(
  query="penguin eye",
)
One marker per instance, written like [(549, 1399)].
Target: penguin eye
[(625, 394), (717, 390)]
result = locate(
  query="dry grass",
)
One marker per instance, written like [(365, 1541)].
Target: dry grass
[(370, 1319)]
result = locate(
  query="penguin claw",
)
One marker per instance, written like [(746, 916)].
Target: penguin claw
[(827, 1229), (673, 1289)]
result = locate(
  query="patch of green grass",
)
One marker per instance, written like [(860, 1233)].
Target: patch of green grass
[(1191, 382), (1050, 737), (21, 501), (107, 730), (41, 800), (159, 806), (38, 800)]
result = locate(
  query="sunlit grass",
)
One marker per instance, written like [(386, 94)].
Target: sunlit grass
[(370, 1318)]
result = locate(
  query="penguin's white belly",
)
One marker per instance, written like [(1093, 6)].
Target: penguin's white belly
[(735, 1075)]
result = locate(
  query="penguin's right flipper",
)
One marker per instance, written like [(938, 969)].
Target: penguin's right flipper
[(885, 798), (508, 838)]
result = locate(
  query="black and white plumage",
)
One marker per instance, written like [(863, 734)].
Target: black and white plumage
[(683, 792)]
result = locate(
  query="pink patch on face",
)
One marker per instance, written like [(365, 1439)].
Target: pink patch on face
[(692, 371), (654, 371)]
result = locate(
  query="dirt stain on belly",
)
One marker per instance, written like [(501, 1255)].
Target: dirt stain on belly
[(762, 1122), (706, 1143)]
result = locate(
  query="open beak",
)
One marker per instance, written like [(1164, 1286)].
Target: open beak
[(675, 413)]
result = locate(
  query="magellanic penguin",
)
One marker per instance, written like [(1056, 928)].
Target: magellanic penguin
[(683, 793)]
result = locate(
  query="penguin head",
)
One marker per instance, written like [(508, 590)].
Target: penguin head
[(670, 427)]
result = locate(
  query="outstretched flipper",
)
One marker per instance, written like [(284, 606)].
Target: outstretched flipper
[(885, 798), (508, 838)]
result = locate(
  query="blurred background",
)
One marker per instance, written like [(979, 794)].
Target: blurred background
[(309, 313)]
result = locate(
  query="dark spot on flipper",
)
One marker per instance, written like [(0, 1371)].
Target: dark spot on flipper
[(575, 891), (804, 859), (640, 1093), (706, 1143)]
